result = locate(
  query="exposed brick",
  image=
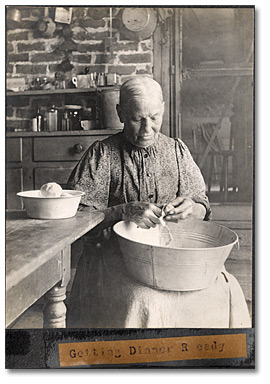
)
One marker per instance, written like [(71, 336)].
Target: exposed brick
[(21, 124), (146, 70), (18, 36), (147, 46), (37, 12), (105, 58), (11, 25), (9, 110), (129, 46), (93, 23), (9, 68), (30, 69), (90, 48), (91, 40), (29, 47), (87, 35), (54, 68), (98, 13), (116, 23), (78, 12), (10, 47), (92, 68), (18, 101), (122, 69), (39, 35), (136, 58), (24, 113), (25, 11), (46, 57), (28, 24), (15, 57), (82, 58)]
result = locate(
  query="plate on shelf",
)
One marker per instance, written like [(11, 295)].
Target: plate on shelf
[(72, 106)]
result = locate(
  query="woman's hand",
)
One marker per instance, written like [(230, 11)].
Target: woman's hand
[(145, 215), (183, 207)]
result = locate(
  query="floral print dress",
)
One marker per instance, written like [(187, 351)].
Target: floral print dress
[(113, 172)]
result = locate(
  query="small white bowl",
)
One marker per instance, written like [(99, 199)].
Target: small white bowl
[(53, 208)]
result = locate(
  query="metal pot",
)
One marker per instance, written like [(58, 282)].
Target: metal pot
[(138, 23), (14, 17)]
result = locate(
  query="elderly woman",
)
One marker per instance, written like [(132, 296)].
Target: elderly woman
[(131, 176)]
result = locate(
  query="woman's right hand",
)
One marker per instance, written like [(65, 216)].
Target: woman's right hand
[(145, 215)]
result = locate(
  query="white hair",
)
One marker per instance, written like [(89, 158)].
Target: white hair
[(139, 87)]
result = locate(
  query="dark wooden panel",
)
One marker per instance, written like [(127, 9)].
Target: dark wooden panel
[(61, 148), (245, 237), (13, 185), (232, 212), (244, 253), (238, 217), (14, 149), (246, 225), (58, 175)]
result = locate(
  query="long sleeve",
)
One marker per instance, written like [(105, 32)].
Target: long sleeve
[(92, 176), (191, 182)]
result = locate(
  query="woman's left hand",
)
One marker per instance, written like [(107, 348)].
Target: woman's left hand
[(183, 207)]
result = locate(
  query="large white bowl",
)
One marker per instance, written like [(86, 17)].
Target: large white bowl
[(192, 260), (53, 208)]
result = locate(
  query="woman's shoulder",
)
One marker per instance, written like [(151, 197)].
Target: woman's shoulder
[(104, 146), (166, 140), (113, 141)]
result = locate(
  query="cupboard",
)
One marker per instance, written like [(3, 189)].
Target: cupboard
[(35, 158)]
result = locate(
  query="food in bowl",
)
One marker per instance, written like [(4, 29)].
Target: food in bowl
[(192, 260), (53, 208), (51, 190)]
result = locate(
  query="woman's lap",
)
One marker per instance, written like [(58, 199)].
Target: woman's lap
[(105, 297)]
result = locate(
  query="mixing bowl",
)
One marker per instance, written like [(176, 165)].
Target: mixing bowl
[(191, 261), (62, 207)]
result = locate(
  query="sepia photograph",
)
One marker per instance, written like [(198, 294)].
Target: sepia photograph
[(130, 186)]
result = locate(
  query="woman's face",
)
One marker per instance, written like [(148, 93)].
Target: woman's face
[(142, 120)]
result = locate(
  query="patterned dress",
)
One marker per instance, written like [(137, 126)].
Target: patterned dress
[(114, 172)]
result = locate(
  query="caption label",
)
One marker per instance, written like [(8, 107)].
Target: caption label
[(152, 350)]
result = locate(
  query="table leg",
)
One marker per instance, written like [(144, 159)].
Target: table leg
[(54, 311)]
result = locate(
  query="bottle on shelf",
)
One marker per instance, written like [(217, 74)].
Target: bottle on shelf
[(38, 122), (65, 121), (52, 119)]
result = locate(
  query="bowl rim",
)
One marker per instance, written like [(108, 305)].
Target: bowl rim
[(73, 192), (236, 241)]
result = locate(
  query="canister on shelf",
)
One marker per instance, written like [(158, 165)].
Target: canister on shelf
[(109, 100), (52, 119)]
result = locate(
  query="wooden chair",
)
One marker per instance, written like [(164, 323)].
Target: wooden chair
[(201, 135)]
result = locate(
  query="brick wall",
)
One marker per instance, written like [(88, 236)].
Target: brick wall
[(84, 42)]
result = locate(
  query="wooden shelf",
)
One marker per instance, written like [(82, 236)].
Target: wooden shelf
[(42, 92), (93, 132)]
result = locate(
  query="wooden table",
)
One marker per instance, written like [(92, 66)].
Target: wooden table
[(38, 256)]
